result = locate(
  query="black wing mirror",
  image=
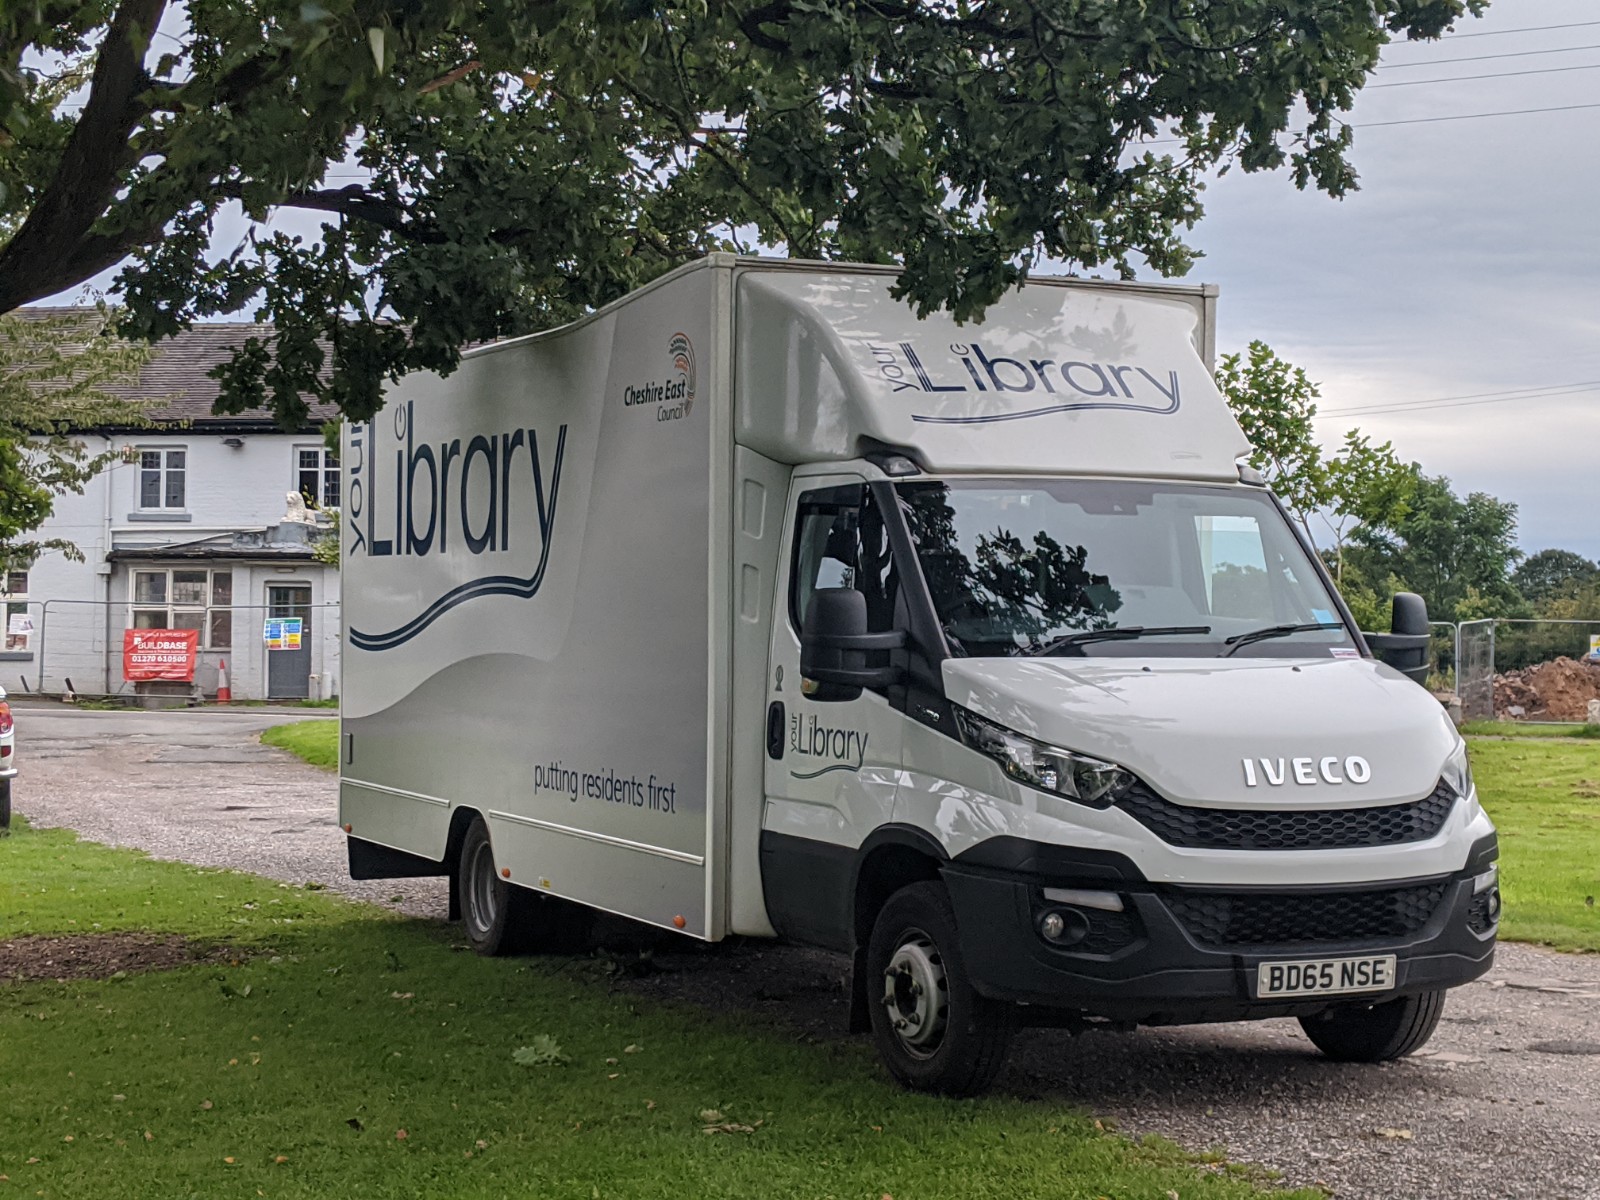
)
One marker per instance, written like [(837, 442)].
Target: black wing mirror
[(1405, 647), (834, 645)]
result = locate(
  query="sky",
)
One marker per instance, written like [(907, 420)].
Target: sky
[(1467, 265)]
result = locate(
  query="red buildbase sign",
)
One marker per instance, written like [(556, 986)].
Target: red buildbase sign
[(159, 654)]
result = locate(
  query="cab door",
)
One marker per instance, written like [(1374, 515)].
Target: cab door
[(832, 766)]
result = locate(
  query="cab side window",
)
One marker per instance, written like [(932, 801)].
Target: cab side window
[(840, 542)]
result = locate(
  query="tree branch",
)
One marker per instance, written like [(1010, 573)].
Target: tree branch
[(45, 254), (357, 203)]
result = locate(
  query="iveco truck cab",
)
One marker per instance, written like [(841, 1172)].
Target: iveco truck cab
[(753, 604)]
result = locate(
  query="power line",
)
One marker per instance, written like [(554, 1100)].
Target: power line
[(1439, 62), (1450, 37), (1511, 112), (1497, 75), (1560, 389), (1411, 406), (1372, 412), (1508, 392)]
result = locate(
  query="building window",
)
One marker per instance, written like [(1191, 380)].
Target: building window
[(184, 598), (161, 478), (17, 628), (317, 476)]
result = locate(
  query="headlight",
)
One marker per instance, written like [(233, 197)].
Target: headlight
[(1457, 773), (1048, 768)]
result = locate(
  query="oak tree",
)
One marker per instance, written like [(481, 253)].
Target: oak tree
[(489, 167)]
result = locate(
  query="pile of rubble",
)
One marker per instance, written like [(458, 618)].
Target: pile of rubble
[(1559, 690)]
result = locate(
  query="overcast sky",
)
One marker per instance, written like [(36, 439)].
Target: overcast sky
[(1469, 263)]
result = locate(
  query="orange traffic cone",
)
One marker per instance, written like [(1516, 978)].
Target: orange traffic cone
[(224, 692)]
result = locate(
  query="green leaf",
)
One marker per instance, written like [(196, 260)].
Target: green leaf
[(542, 1051)]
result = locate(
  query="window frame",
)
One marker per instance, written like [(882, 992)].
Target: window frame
[(164, 472), (206, 611), (327, 472), (11, 601)]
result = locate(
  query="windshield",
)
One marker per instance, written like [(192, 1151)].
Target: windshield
[(1018, 567)]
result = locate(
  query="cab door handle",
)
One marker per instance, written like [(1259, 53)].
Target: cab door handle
[(775, 723)]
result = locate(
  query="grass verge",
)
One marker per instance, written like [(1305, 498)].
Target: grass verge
[(352, 1053), (315, 741), (1518, 729), (1544, 798)]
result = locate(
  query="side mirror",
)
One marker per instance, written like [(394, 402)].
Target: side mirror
[(834, 644), (1405, 647), (1410, 615)]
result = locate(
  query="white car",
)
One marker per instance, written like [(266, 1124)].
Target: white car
[(8, 760)]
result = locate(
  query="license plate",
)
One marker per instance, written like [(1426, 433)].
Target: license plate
[(1325, 976)]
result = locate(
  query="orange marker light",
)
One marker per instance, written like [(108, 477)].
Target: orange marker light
[(506, 871), (679, 922), (347, 828)]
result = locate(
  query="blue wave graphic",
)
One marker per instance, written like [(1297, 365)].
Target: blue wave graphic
[(825, 770), (1040, 412), (489, 585)]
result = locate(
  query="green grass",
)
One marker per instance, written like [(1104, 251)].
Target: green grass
[(315, 741), (345, 1026), (331, 702), (1544, 798), (1519, 729)]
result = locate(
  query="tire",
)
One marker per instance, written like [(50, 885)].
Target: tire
[(1376, 1032), (934, 1033), (491, 909), (5, 804), (503, 918)]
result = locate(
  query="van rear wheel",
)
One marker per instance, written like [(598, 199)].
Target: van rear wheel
[(933, 1031), (1376, 1032), (492, 910), (503, 918), (5, 804)]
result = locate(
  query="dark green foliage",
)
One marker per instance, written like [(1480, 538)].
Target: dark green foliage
[(1554, 575), (1458, 553), (491, 168)]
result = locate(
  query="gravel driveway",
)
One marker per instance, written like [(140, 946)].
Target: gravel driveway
[(1504, 1102)]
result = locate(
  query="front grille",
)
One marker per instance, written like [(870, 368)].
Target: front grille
[(1255, 829), (1290, 918)]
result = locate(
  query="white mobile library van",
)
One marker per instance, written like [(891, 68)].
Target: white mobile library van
[(753, 604)]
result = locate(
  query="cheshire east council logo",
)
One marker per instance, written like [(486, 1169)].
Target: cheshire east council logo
[(672, 397)]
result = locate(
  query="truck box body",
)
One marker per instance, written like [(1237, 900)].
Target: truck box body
[(755, 604), (537, 547)]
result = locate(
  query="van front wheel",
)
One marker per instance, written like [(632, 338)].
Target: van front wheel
[(1377, 1032), (933, 1031)]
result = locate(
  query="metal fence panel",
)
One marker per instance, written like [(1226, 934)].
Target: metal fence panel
[(1475, 670)]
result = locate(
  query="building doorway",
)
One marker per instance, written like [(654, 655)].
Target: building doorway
[(289, 671)]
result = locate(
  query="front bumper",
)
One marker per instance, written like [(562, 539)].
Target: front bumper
[(1183, 955)]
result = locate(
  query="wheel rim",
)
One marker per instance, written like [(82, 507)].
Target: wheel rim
[(916, 994), (482, 903)]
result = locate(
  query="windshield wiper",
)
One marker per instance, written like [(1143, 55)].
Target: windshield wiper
[(1273, 631), (1126, 633)]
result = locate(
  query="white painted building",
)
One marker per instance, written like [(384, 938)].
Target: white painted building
[(190, 530)]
